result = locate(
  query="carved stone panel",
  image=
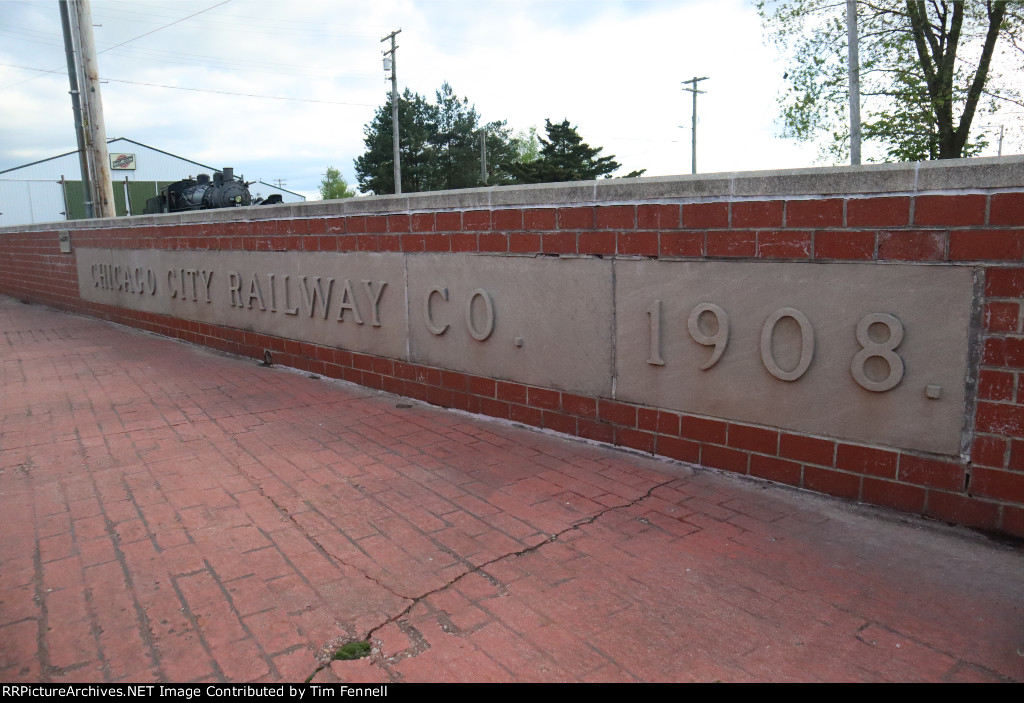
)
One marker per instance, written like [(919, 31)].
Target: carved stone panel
[(870, 352), (873, 352), (353, 301), (540, 321)]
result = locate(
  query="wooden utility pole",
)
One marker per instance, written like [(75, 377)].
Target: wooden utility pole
[(93, 131), (854, 61), (394, 109), (693, 89), (76, 107)]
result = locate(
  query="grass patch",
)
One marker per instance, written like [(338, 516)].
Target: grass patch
[(352, 650)]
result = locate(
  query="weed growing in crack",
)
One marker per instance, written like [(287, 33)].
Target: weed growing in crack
[(352, 650)]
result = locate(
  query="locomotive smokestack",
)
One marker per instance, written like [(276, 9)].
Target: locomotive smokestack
[(229, 174)]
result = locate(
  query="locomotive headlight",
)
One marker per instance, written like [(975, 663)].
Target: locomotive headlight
[(238, 198)]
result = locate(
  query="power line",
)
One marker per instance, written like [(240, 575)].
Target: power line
[(204, 60), (638, 139), (169, 24), (243, 95), (271, 24), (165, 26), (198, 90), (58, 71)]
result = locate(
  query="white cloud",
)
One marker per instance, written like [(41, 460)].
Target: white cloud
[(613, 68)]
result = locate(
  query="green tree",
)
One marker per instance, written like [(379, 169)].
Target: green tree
[(440, 146), (527, 145), (504, 150), (455, 147), (334, 187), (926, 67), (417, 123), (564, 156)]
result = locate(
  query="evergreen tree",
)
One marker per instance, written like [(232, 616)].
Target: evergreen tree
[(503, 151), (564, 156), (440, 149), (417, 123), (440, 146), (455, 146)]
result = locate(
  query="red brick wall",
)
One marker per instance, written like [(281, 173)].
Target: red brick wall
[(984, 229)]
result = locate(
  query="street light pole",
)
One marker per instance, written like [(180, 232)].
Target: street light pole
[(483, 156), (854, 67)]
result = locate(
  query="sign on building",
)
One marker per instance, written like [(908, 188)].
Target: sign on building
[(122, 162)]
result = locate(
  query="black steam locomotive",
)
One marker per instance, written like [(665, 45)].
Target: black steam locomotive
[(204, 193)]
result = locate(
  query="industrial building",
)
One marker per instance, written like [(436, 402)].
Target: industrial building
[(50, 190)]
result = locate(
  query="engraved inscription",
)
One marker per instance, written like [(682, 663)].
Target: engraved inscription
[(189, 284), (428, 315), (374, 301), (479, 313), (316, 295), (654, 357), (544, 322), (480, 332), (842, 350), (885, 350), (289, 309), (853, 344), (718, 340), (806, 344), (348, 303), (292, 295), (123, 278)]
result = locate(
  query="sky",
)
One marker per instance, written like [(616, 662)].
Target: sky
[(612, 68)]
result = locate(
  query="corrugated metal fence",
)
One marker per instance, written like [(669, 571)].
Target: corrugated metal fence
[(25, 201)]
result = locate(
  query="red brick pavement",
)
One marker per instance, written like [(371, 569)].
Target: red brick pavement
[(169, 513)]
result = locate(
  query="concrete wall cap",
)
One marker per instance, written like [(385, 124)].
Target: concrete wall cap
[(977, 174)]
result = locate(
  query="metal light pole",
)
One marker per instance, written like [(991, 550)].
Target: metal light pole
[(483, 156), (394, 107), (854, 58), (1002, 128)]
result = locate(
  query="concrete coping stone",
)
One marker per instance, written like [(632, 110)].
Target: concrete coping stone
[(904, 178)]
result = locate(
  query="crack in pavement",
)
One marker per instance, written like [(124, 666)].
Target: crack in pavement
[(326, 652), (319, 547), (471, 569)]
